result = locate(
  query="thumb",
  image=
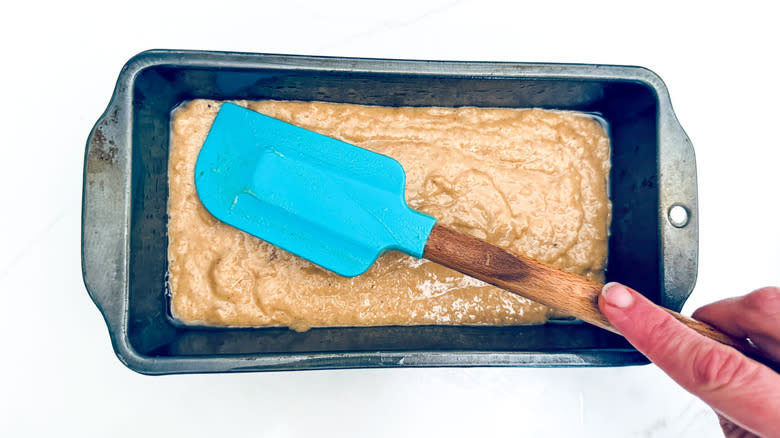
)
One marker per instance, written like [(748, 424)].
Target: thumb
[(739, 388)]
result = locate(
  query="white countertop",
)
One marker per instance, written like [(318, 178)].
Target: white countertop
[(59, 376)]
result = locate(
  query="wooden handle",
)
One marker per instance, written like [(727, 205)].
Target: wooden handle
[(544, 284)]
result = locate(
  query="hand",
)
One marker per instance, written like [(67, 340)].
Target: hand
[(744, 393)]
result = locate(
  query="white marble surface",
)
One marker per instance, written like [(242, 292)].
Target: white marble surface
[(58, 375)]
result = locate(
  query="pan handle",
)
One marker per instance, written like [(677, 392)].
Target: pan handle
[(678, 208), (104, 218)]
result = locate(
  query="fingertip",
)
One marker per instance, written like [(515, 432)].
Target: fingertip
[(617, 295), (701, 314), (645, 325)]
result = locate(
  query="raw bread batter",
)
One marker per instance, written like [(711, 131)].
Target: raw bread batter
[(531, 181)]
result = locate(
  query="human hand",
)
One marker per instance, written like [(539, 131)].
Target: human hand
[(744, 393)]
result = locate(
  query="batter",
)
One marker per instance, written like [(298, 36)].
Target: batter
[(531, 181)]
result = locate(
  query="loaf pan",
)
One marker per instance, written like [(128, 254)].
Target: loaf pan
[(124, 213)]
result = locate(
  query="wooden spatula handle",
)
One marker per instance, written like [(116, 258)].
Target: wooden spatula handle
[(544, 284)]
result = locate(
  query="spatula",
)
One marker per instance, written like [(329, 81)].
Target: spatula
[(340, 206)]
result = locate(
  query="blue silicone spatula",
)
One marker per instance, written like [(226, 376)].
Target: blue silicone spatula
[(341, 206)]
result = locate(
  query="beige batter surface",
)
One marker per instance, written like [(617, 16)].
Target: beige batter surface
[(531, 181)]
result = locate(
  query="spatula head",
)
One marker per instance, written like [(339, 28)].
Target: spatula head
[(332, 203)]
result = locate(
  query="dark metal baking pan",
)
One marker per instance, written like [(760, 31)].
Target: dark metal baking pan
[(124, 239)]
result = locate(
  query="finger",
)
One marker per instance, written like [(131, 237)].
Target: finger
[(739, 388), (755, 316)]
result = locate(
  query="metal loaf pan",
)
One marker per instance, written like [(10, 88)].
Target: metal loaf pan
[(124, 240)]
